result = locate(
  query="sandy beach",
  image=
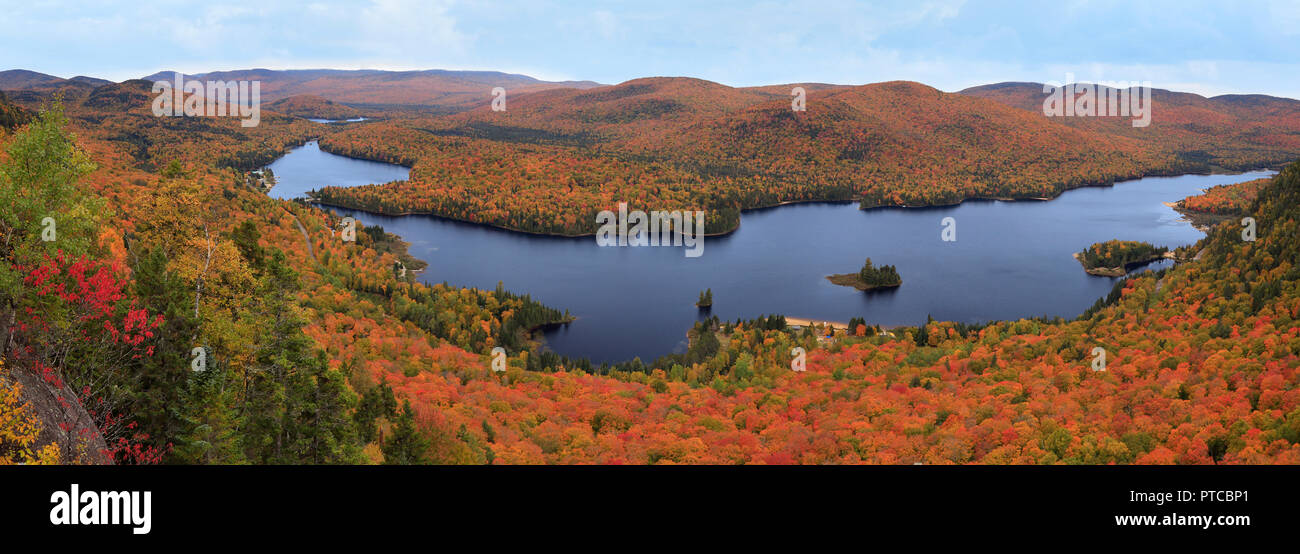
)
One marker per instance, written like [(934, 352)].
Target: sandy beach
[(807, 322)]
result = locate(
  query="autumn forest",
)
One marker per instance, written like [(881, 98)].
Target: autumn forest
[(157, 306)]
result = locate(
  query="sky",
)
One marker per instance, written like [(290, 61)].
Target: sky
[(1203, 47)]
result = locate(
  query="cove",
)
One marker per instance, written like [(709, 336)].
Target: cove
[(1010, 259)]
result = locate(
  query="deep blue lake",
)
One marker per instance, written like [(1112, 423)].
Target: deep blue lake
[(1010, 259)]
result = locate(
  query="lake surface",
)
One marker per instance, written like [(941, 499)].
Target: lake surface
[(308, 167), (1010, 259), (353, 120)]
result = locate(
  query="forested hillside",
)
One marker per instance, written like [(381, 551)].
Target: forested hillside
[(179, 315), (553, 159), (1231, 199), (151, 276), (309, 106), (10, 115), (1201, 366), (1232, 131)]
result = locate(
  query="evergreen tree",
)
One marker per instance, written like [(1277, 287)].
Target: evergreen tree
[(378, 402), (209, 422), (923, 334), (245, 237), (324, 431), (161, 379), (885, 275), (407, 446), (296, 409)]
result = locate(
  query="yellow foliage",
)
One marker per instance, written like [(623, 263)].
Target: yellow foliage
[(19, 428)]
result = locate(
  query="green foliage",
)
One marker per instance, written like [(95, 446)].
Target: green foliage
[(406, 446), (38, 182), (208, 419), (298, 410), (433, 308), (378, 402), (1119, 253), (11, 116), (245, 238), (883, 276), (161, 380)]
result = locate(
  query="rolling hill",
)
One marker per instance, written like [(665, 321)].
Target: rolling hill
[(1230, 131), (21, 79), (17, 79), (572, 149), (434, 87), (692, 143), (309, 106)]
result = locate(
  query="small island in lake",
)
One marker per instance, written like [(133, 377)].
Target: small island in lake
[(869, 277), (1113, 258), (706, 299)]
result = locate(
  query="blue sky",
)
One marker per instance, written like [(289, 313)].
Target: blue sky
[(1204, 47)]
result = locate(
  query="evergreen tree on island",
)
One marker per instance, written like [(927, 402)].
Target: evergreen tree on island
[(883, 276), (706, 299)]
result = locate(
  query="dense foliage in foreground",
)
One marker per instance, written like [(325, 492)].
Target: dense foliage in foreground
[(319, 350)]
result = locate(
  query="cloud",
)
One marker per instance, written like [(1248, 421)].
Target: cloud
[(949, 44), (421, 29), (605, 23)]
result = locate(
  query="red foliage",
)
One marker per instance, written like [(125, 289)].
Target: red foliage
[(90, 299)]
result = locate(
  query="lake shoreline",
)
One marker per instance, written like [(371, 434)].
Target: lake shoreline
[(1109, 184), (739, 222), (1122, 271), (852, 280), (1202, 221), (604, 334)]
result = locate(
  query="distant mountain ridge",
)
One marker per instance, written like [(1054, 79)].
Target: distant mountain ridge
[(15, 79), (463, 89), (432, 87), (1229, 130), (22, 79), (1019, 93)]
